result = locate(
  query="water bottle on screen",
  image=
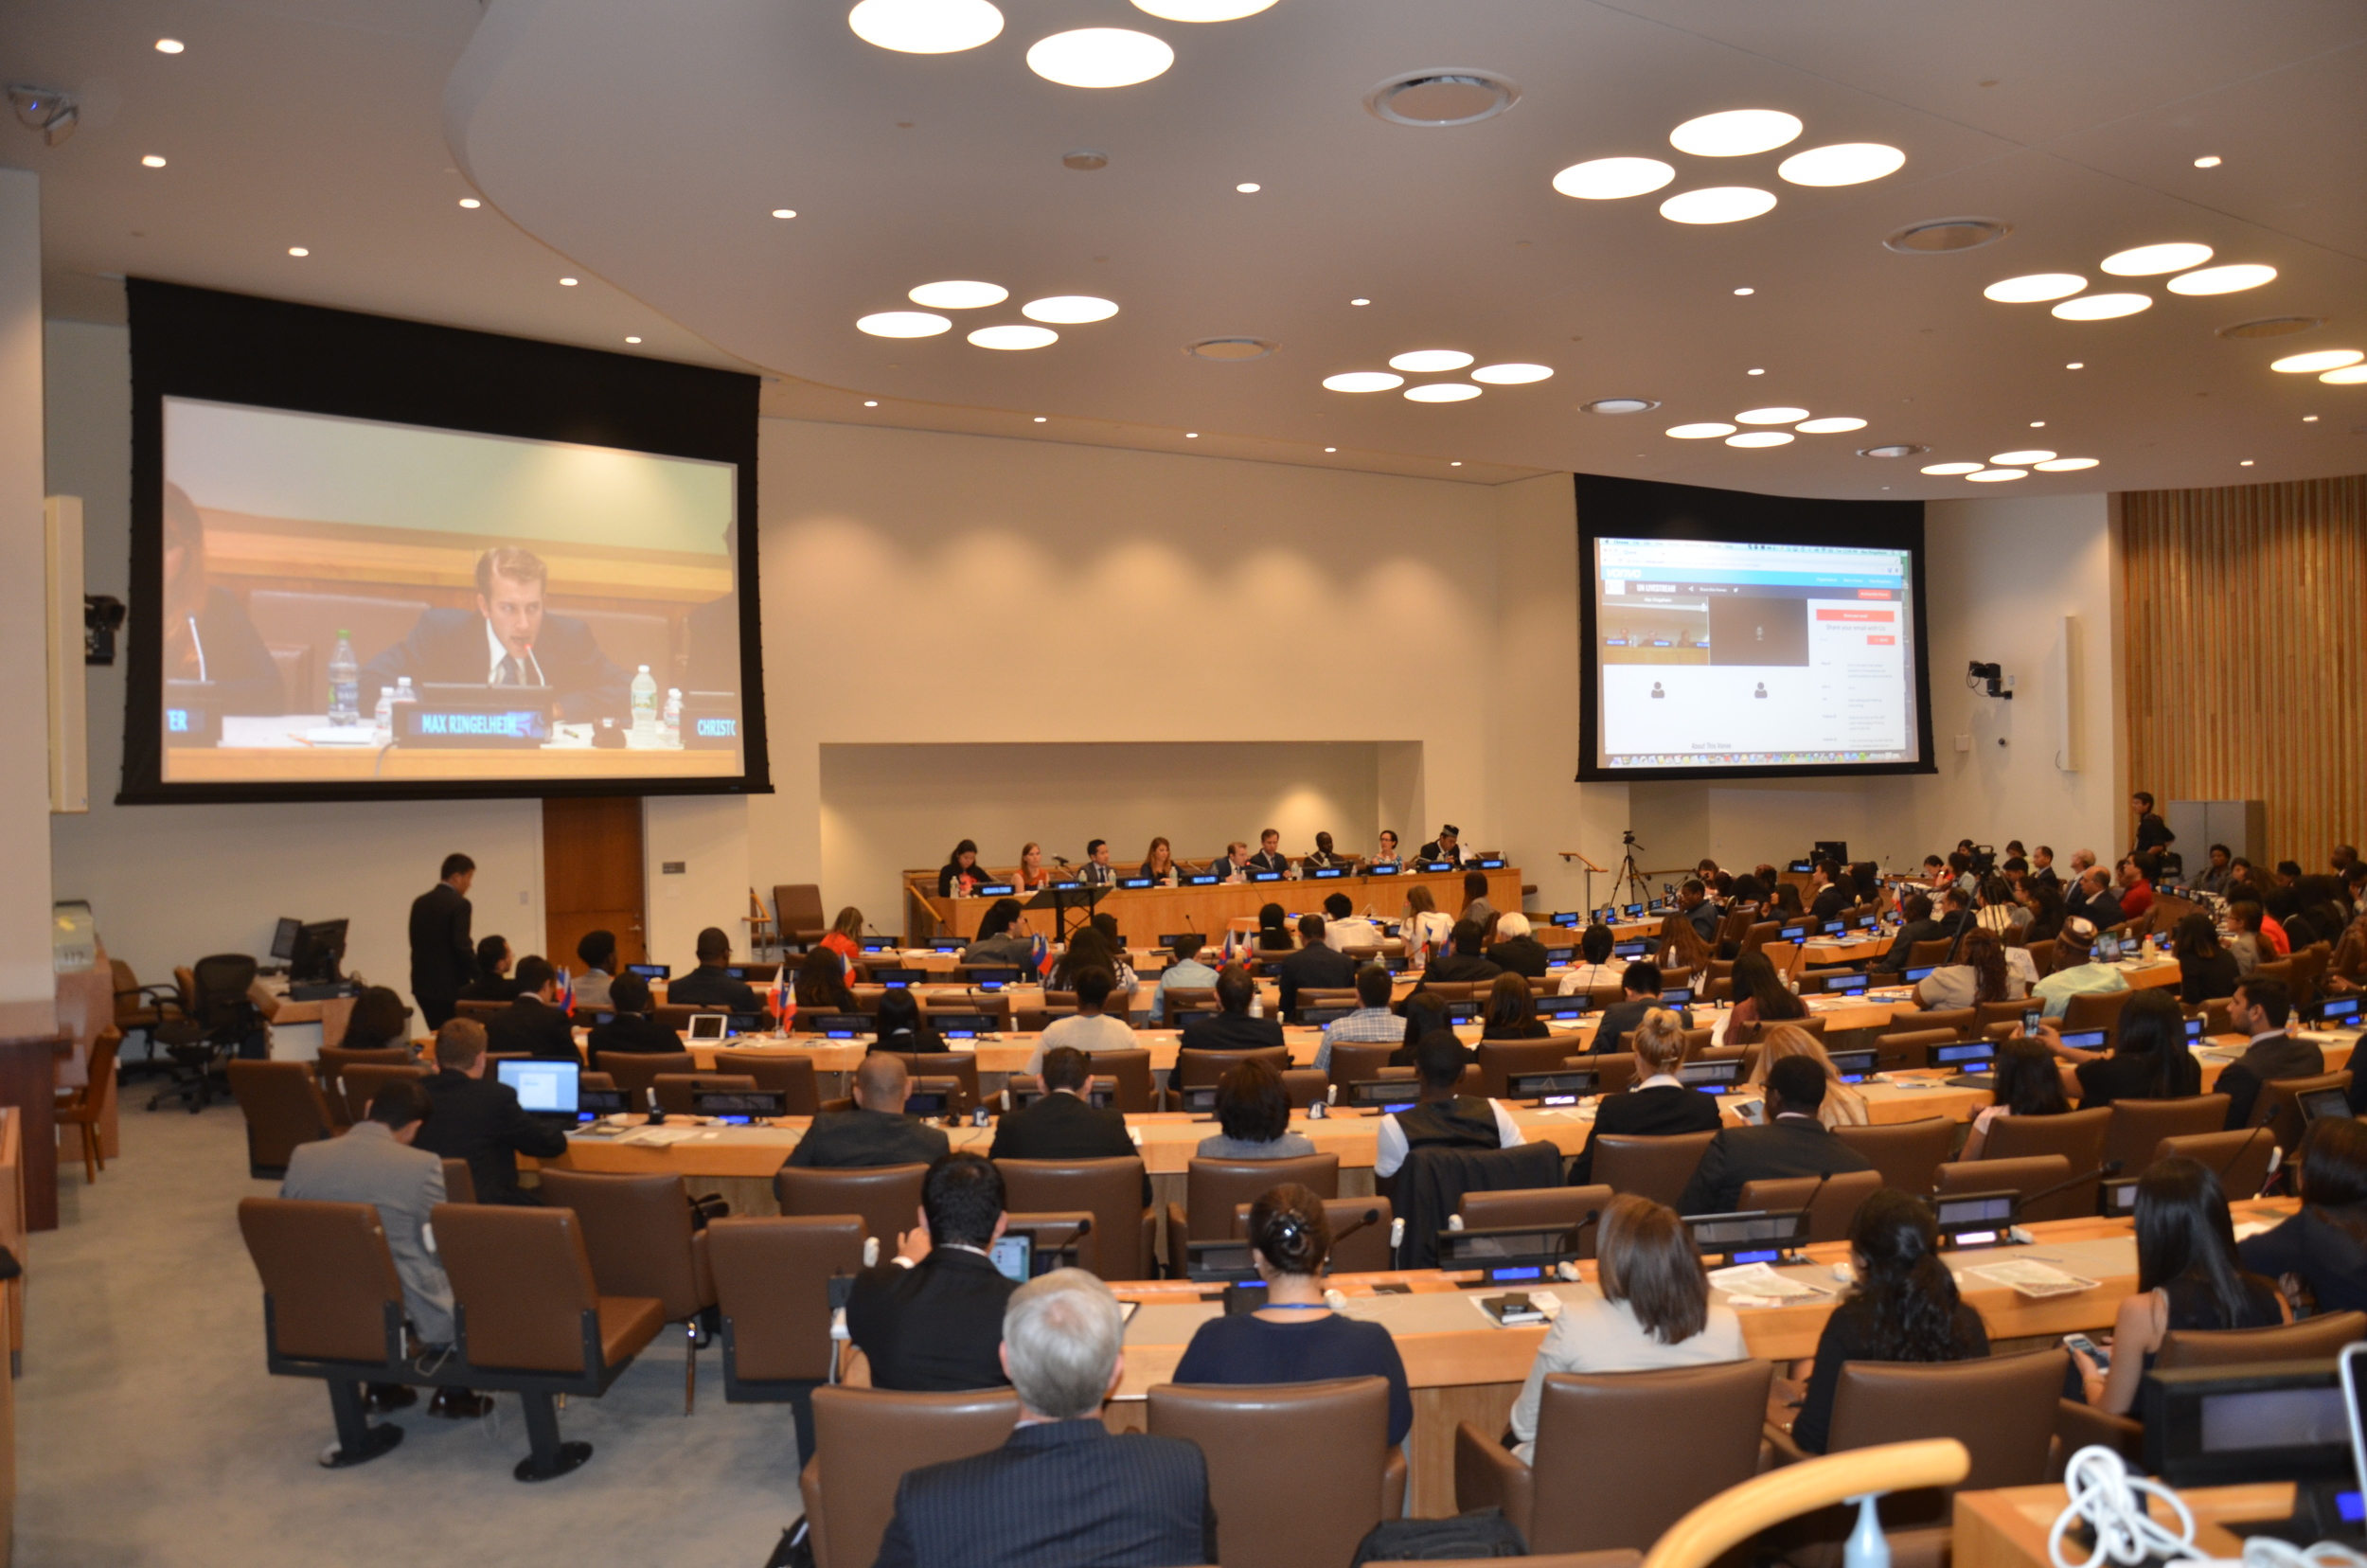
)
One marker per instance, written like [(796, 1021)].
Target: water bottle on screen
[(344, 682), (644, 707), (669, 726), (404, 696), (383, 725)]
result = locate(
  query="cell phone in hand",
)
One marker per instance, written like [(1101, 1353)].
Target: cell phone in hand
[(2089, 1349), (2030, 1023)]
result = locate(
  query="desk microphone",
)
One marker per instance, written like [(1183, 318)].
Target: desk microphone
[(1570, 1236), (1060, 861), (1371, 1217), (2243, 1148), (2110, 1168), (1810, 1208)]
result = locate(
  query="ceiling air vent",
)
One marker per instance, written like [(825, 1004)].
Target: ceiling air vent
[(1442, 98)]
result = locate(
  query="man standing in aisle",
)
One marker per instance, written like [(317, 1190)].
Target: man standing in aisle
[(442, 957)]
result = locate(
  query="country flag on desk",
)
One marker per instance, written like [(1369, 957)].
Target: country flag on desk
[(1043, 958), (784, 1008), (567, 992)]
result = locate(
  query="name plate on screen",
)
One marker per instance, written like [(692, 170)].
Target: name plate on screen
[(486, 728)]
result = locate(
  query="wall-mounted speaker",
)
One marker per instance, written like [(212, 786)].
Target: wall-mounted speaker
[(2071, 698)]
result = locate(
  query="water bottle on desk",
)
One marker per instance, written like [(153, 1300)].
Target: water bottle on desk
[(669, 724), (404, 696), (344, 682), (644, 707), (383, 725)]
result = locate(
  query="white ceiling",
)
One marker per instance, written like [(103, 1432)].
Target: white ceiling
[(641, 147)]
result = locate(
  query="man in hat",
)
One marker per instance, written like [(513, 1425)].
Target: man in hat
[(2074, 972), (1445, 846)]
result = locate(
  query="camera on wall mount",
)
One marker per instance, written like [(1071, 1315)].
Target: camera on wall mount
[(102, 617), (1999, 683)]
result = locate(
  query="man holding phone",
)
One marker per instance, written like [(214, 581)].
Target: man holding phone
[(930, 1320)]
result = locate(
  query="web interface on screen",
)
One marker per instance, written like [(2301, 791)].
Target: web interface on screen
[(1719, 654)]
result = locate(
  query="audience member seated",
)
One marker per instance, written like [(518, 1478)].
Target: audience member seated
[(1986, 970), (903, 1026), (1464, 961), (1512, 1011), (708, 986), (2216, 875), (1000, 940), (1295, 1337), (1843, 1106), (876, 1132), (1653, 1309), (1186, 974), (1316, 966), (1793, 1143), (2135, 892), (1371, 1023), (1091, 1027), (1272, 935), (1516, 952), (1089, 946), (1657, 1105), (630, 1029), (2260, 1009), (2247, 941), (820, 985), (492, 982), (1640, 981), (2075, 974), (475, 1116), (1441, 1117), (844, 937), (1475, 905), (1994, 909), (2028, 1083), (378, 1022), (1346, 931), (1902, 1307), (930, 1320), (2319, 1254), (2095, 901), (1424, 929), (1062, 1488), (1593, 969), (1760, 997), (1064, 1124), (1255, 1112), (2206, 970), (534, 1024), (1827, 898), (1700, 911), (596, 951), (2149, 1060), (1231, 1027), (2188, 1277)]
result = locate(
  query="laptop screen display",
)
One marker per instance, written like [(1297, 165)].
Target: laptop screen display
[(546, 1087)]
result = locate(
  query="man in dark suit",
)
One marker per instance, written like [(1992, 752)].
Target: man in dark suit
[(1061, 1488), (1641, 982), (930, 1321), (1270, 856), (507, 641), (1064, 1125), (1920, 927), (477, 1118), (1231, 1028), (494, 982), (1793, 1143), (1657, 1107), (2261, 1007), (1464, 960), (1097, 871), (1516, 952), (534, 1022), (441, 960), (710, 984), (877, 1132), (629, 1028), (1827, 898), (1700, 910), (1316, 966), (1447, 846), (2094, 900)]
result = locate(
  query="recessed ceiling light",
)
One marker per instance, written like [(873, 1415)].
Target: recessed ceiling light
[(2148, 260), (2066, 465), (470, 203), (169, 46), (2032, 287), (2021, 459), (1040, 419), (1770, 415), (1746, 290), (298, 250), (2320, 359), (1608, 179), (1760, 438), (1996, 476), (1511, 375), (1249, 187), (1442, 392), (1437, 101), (1754, 372), (1331, 448), (2104, 307), (1898, 448), (2227, 279), (1099, 57), (1068, 310), (1422, 360), (151, 161), (958, 294), (903, 324), (1619, 405), (1202, 10), (2076, 365), (1832, 425), (784, 212), (2349, 376), (2209, 160), (1191, 435), (1014, 337), (1951, 468), (632, 340), (1359, 302), (2244, 463), (1735, 134), (1718, 205), (871, 402), (568, 282), (1364, 381), (925, 27), (1842, 163), (1085, 160), (1699, 432), (1457, 463), (2309, 418)]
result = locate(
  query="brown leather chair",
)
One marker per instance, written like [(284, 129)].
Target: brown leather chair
[(797, 916), (865, 1440), (86, 1108), (2094, 1011), (1959, 1019), (1835, 1202), (1539, 1207), (1364, 1252), (531, 1317), (2139, 1125), (962, 1066), (1111, 1190), (1656, 1169), (2279, 1109), (2319, 1338), (332, 1302), (772, 1298), (1617, 1071), (359, 1084), (2076, 1135), (597, 1080), (677, 1092), (1298, 1474), (638, 1233), (635, 1072), (1909, 1051), (1619, 1456), (2241, 1157), (1907, 1153), (1499, 1059), (788, 1075), (1355, 1062), (283, 1107), (1922, 954), (330, 1066), (1137, 1090), (886, 1197), (481, 1011), (1319, 997), (459, 1185), (1200, 1069), (1986, 1015), (1187, 999), (2022, 1176), (1304, 1086), (1212, 1187)]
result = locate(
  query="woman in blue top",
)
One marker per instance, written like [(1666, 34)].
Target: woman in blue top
[(1295, 1337)]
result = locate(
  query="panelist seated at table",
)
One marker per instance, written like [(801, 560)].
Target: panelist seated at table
[(710, 984), (508, 640), (208, 634), (534, 1022), (1440, 1118), (1097, 871), (1159, 865), (1325, 855), (877, 1132), (1233, 867), (1447, 847), (1270, 856), (1231, 1027), (1659, 1106), (1793, 1143), (630, 1029), (930, 1320)]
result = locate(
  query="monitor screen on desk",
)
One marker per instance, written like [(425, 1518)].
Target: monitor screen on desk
[(543, 1087), (283, 938)]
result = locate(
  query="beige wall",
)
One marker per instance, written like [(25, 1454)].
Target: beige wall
[(25, 968)]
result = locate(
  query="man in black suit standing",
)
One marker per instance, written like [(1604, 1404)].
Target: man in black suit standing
[(534, 1021), (1793, 1143), (1270, 856), (508, 641), (1231, 1028), (1657, 1107), (1061, 1489), (477, 1118), (1316, 966), (930, 1321), (877, 1132), (442, 960)]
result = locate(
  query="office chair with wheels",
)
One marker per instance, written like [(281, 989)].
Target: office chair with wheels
[(222, 1019)]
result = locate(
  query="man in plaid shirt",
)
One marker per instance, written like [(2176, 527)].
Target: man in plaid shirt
[(1371, 1024)]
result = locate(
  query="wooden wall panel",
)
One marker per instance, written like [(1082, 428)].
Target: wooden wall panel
[(2247, 654)]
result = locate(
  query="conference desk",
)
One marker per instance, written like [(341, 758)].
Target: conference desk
[(2008, 1528), (1160, 911), (273, 750)]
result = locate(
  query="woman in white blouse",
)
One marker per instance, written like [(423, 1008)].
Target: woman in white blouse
[(1987, 970)]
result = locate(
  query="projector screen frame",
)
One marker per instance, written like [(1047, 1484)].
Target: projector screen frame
[(1609, 507), (205, 344)]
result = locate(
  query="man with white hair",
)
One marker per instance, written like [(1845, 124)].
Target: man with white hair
[(1516, 952), (1062, 1491)]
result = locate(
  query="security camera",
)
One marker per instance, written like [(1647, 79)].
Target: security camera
[(1998, 685), (47, 110)]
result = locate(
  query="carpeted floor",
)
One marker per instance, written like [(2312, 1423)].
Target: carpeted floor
[(149, 1434)]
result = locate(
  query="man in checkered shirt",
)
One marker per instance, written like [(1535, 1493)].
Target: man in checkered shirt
[(1371, 1024)]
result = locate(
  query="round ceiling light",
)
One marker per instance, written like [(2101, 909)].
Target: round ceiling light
[(1232, 348), (1898, 448), (1702, 432), (2348, 376), (2032, 287), (903, 323), (2228, 279), (1442, 392), (1619, 405), (2322, 359), (1511, 375), (1770, 415), (1718, 205), (1842, 164), (1364, 381), (1435, 99), (1014, 337), (1422, 360), (2066, 465), (1735, 132), (1608, 179), (925, 27), (1951, 469), (1941, 235), (1099, 57), (1760, 438), (2148, 261), (1832, 425), (1068, 310), (1202, 10), (1996, 476), (2021, 459), (2103, 307), (958, 296)]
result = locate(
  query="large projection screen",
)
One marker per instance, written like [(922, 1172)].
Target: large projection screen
[(383, 559), (1728, 635)]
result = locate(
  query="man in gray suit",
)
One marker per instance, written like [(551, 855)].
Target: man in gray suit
[(374, 1162)]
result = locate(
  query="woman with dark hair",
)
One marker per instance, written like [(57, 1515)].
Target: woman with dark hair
[(1255, 1112), (999, 939), (1984, 971), (961, 872), (494, 982), (902, 1024), (1596, 969), (1295, 1337), (1903, 1307), (1787, 901), (2321, 1252), (2206, 970), (1760, 998), (1386, 853), (1425, 1013), (1749, 893), (379, 1020), (1512, 1011), (1159, 865), (2028, 1083), (821, 984), (2188, 1278), (1272, 934), (596, 951), (2046, 914), (1089, 948), (2149, 1059), (1996, 908), (1866, 879), (844, 937)]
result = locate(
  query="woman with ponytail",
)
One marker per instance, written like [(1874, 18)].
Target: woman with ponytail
[(1903, 1309)]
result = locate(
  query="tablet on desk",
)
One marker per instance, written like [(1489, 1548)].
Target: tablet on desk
[(708, 1025)]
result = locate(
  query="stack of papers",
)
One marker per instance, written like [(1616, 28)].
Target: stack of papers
[(1759, 1285), (2029, 1277), (658, 1137)]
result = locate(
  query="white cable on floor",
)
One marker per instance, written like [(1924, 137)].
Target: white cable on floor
[(2111, 1501)]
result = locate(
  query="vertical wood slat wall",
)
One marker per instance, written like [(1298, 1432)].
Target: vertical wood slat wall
[(2247, 649)]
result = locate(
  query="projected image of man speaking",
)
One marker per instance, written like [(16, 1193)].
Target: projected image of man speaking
[(509, 640)]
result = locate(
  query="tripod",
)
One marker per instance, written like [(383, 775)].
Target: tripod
[(1629, 878)]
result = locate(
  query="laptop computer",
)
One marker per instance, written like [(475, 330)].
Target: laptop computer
[(546, 1090)]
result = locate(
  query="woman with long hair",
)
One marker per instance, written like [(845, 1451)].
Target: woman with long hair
[(1995, 909), (1903, 1307), (961, 871), (902, 1024), (1272, 934), (1843, 1106), (1984, 972), (1032, 873), (379, 1020), (2150, 1060), (1760, 998), (1681, 949), (2046, 915), (2320, 1254), (821, 984), (2028, 1083), (1512, 1011), (846, 936), (1425, 925), (1159, 863), (2206, 970), (1786, 900)]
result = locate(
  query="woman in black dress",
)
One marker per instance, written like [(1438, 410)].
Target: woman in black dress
[(2150, 1058), (2206, 970), (1904, 1307), (1512, 1011), (2321, 1252)]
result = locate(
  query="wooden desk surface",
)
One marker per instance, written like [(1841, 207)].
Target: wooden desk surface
[(1150, 912), (2008, 1529)]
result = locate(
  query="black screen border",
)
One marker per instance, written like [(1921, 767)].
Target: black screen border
[(1609, 507), (269, 353)]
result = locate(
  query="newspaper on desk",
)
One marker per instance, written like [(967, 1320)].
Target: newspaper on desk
[(658, 1137), (2027, 1276), (1759, 1285)]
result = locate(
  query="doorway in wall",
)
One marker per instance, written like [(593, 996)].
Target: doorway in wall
[(591, 875)]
